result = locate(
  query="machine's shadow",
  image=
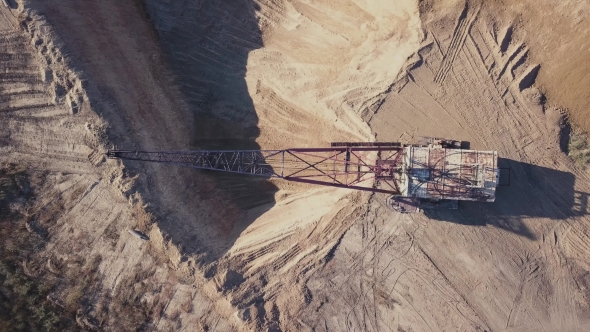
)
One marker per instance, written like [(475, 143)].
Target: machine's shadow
[(533, 191)]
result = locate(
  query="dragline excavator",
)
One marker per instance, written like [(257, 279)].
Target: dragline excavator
[(435, 173)]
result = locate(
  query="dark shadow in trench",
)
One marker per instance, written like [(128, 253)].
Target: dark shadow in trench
[(206, 44), (534, 192)]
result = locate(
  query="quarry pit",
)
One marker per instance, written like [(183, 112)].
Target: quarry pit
[(222, 252)]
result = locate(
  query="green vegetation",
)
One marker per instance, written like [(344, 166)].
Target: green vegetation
[(37, 294), (23, 300), (578, 148), (23, 304)]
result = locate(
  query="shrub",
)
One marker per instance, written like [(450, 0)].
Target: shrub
[(578, 148), (23, 300)]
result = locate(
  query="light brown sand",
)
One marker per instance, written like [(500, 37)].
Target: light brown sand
[(303, 74)]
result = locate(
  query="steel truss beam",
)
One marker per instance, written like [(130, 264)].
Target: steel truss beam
[(343, 166)]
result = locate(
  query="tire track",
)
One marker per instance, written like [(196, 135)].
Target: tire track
[(457, 41)]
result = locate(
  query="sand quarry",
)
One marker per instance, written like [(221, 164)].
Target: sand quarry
[(232, 253)]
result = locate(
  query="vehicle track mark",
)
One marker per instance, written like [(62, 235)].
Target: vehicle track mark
[(459, 36)]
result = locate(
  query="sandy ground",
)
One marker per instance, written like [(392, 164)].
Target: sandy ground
[(512, 265), (228, 253), (560, 43)]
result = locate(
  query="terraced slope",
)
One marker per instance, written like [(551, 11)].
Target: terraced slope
[(83, 207)]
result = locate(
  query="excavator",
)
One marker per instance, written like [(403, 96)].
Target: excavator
[(434, 173)]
